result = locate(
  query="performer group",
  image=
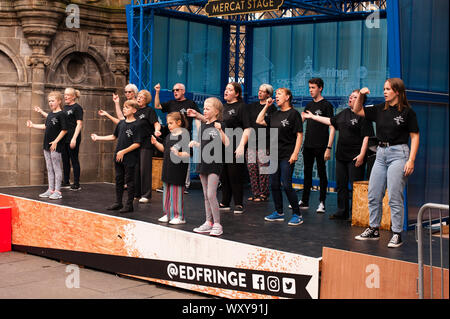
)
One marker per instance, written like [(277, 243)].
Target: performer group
[(139, 135)]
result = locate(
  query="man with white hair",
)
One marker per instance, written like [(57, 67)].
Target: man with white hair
[(179, 104)]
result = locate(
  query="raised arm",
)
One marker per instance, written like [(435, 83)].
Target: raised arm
[(260, 119), (157, 102), (358, 107), (119, 113)]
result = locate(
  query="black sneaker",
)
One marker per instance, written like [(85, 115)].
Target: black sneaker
[(238, 209), (126, 209), (396, 241), (65, 185), (339, 215), (75, 187), (115, 206), (369, 234)]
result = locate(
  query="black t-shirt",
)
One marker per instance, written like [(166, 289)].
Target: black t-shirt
[(127, 133), (210, 144), (54, 124), (146, 118), (288, 123), (174, 172), (233, 117), (352, 130), (74, 113), (250, 114), (182, 107), (316, 135), (392, 126)]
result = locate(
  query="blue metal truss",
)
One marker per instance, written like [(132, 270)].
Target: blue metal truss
[(140, 15)]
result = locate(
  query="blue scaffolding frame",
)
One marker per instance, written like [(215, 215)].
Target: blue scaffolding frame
[(292, 12)]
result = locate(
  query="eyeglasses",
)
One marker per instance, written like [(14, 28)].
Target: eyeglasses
[(176, 90), (128, 91)]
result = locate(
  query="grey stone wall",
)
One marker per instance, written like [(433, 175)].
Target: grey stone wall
[(38, 54)]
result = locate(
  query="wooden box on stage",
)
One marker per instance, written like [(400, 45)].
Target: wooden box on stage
[(360, 208), (157, 163)]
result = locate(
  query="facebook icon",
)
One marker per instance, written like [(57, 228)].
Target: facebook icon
[(258, 282)]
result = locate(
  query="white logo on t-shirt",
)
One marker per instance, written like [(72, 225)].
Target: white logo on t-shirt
[(141, 116), (129, 132), (285, 122), (54, 121), (318, 112), (354, 121), (399, 119), (231, 112)]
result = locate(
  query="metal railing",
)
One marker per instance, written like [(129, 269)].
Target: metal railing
[(419, 230)]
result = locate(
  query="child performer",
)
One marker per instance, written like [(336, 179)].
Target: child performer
[(55, 130), (126, 155), (212, 138), (175, 167)]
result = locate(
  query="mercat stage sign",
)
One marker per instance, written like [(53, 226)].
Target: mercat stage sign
[(232, 7)]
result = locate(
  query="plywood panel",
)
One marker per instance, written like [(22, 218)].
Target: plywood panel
[(360, 208), (350, 275)]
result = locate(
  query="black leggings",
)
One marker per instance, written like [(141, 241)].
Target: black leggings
[(71, 155), (309, 155), (232, 183)]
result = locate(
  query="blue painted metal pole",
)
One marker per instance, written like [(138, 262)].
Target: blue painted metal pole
[(394, 44), (141, 36), (236, 53), (152, 32)]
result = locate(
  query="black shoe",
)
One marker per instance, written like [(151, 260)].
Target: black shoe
[(369, 234), (65, 185), (115, 206), (396, 241), (126, 209), (75, 187), (339, 215)]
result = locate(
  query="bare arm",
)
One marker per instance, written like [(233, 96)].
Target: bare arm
[(360, 158), (112, 118), (327, 154), (317, 118), (119, 113), (358, 107), (38, 126), (409, 166), (73, 142), (55, 142), (40, 111), (157, 144), (96, 137), (298, 144), (260, 119), (157, 102), (120, 154)]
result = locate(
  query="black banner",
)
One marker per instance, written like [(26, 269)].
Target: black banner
[(247, 280), (232, 7)]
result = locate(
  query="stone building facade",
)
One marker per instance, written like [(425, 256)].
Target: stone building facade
[(41, 50)]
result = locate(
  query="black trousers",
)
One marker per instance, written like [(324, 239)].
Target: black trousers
[(346, 173), (124, 174), (232, 183), (70, 155), (143, 173), (309, 155)]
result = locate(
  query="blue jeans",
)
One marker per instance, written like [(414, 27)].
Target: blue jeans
[(283, 176), (388, 171)]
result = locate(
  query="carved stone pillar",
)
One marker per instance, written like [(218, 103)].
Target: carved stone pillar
[(39, 20)]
